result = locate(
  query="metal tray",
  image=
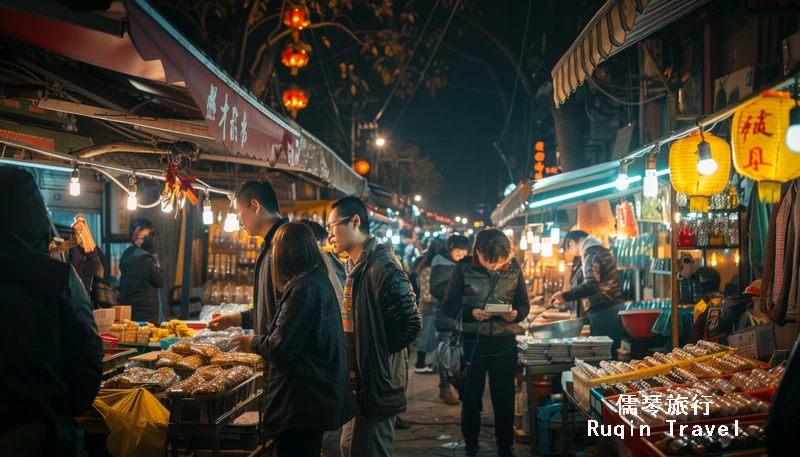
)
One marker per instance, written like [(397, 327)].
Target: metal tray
[(114, 358), (209, 410)]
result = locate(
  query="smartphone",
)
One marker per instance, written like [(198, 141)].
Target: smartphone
[(497, 308)]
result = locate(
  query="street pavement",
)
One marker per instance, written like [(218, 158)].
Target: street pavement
[(431, 420)]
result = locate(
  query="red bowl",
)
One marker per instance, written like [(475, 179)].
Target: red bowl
[(639, 322)]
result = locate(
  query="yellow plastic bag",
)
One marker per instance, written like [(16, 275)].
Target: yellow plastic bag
[(137, 420)]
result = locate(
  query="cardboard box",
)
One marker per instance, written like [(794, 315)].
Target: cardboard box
[(122, 313)]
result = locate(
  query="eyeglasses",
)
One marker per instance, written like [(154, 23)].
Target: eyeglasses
[(333, 224)]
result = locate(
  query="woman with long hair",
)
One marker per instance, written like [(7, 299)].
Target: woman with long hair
[(308, 383)]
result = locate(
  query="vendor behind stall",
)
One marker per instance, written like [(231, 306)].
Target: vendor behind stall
[(141, 277), (599, 285)]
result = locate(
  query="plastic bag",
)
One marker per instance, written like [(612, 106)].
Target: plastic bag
[(137, 422)]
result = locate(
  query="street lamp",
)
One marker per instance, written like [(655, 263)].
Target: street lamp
[(458, 219), (464, 221), (380, 141), (417, 198)]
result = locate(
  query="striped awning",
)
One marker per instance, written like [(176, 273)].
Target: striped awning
[(618, 24)]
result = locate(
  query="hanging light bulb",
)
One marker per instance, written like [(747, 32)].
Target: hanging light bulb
[(547, 247), (562, 266), (529, 236), (555, 235), (736, 258), (231, 221), (622, 178), (523, 243), (132, 202), (677, 217), (536, 245), (793, 132), (75, 182), (713, 259), (706, 165), (208, 214), (650, 178)]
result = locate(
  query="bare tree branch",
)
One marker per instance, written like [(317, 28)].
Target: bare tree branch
[(243, 49), (347, 30)]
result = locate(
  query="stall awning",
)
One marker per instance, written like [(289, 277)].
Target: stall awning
[(518, 202), (618, 24), (147, 46)]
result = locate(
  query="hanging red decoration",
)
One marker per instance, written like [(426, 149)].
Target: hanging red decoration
[(295, 56), (362, 167), (295, 99), (297, 17)]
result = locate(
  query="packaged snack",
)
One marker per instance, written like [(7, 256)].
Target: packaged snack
[(191, 362), (210, 372), (236, 358), (204, 350), (186, 387), (183, 347), (168, 359)]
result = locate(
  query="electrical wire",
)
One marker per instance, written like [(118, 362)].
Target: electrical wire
[(519, 70), (333, 99), (123, 187), (424, 70), (620, 101), (408, 62)]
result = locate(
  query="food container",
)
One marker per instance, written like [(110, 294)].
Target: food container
[(639, 322), (209, 410), (121, 313), (114, 358)]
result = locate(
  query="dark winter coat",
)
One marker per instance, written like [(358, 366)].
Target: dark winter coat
[(139, 284), (308, 380), (472, 286), (600, 283), (265, 295), (51, 349), (387, 321)]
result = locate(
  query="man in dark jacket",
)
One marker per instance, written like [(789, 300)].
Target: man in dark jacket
[(258, 209), (140, 276), (381, 320), (599, 286), (456, 248), (54, 375)]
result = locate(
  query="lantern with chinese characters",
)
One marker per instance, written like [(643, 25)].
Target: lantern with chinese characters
[(759, 146), (684, 173), (295, 99), (295, 56), (297, 17), (362, 167)]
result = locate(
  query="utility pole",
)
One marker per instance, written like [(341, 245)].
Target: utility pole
[(355, 124)]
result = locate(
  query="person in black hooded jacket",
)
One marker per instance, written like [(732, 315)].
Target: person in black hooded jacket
[(52, 355), (140, 276)]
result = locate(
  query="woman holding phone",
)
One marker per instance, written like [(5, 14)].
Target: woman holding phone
[(491, 279), (308, 380)]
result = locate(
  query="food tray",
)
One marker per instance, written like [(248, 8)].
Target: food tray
[(209, 410), (648, 449), (584, 385), (114, 358), (257, 367)]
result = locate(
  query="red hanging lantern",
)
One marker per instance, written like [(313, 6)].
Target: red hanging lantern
[(295, 99), (295, 56), (362, 167), (297, 17)]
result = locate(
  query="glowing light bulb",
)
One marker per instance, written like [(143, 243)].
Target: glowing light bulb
[(677, 217), (706, 165), (650, 184), (793, 132), (547, 248), (714, 259), (529, 236), (208, 213), (736, 258), (75, 182), (622, 178), (562, 266), (555, 235), (231, 222), (536, 245), (523, 243)]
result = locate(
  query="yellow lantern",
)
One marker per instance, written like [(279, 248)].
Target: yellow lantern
[(759, 150), (684, 173)]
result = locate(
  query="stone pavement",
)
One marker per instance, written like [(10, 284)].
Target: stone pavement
[(430, 418)]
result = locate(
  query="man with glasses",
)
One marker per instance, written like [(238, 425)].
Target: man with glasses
[(257, 206), (381, 320)]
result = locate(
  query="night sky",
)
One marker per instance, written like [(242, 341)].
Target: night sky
[(457, 127)]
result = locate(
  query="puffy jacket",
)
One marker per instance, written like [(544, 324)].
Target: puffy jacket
[(52, 352), (473, 286), (387, 321), (600, 283), (308, 383), (441, 271), (139, 284)]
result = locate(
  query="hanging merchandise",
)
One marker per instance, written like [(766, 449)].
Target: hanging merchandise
[(596, 219), (688, 177), (759, 147), (626, 221), (780, 291)]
